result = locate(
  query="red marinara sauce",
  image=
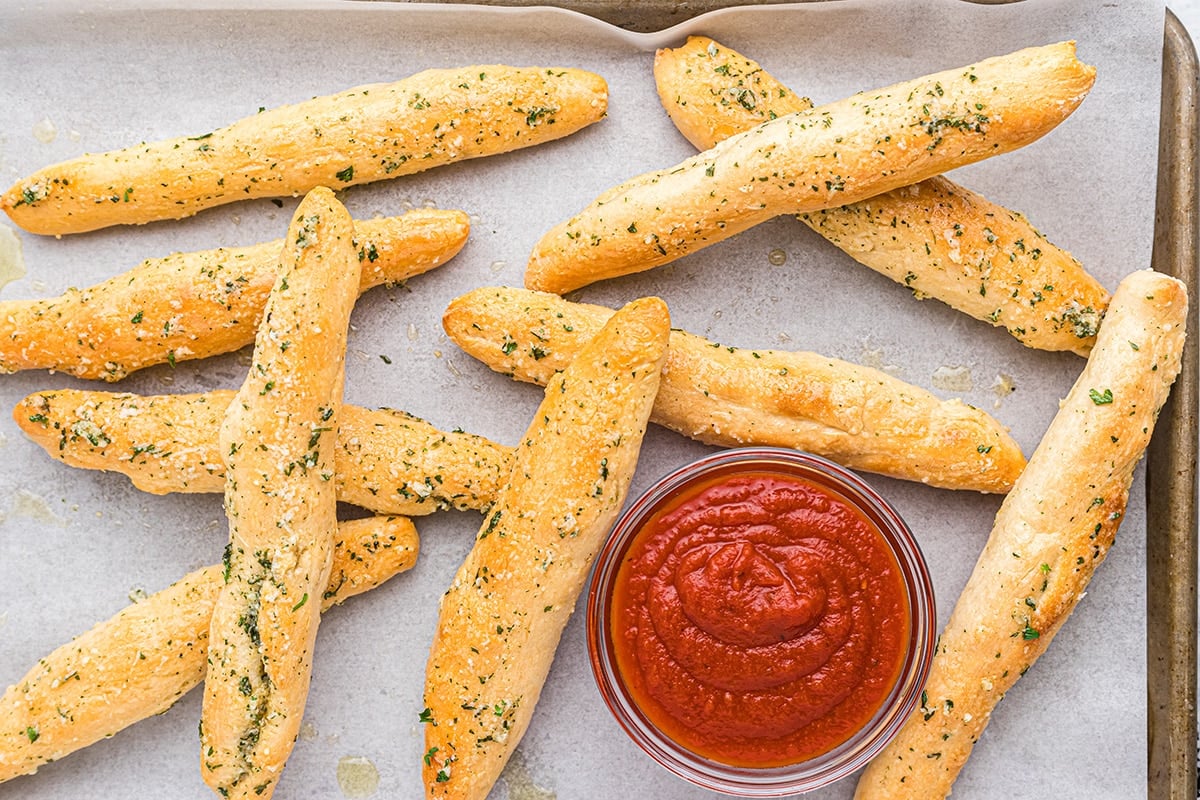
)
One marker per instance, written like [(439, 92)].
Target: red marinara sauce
[(759, 619)]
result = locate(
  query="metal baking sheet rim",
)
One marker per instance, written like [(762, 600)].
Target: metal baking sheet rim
[(1171, 496)]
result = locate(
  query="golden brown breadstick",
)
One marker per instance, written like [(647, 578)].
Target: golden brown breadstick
[(835, 154), (193, 305), (501, 618), (278, 441), (858, 416), (1051, 533), (387, 461), (712, 92), (139, 662), (360, 135), (935, 237)]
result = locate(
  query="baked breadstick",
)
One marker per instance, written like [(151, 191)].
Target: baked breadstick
[(501, 618), (363, 134), (712, 92), (139, 662), (194, 305), (857, 416), (387, 461), (1051, 533), (935, 237), (278, 442), (828, 156)]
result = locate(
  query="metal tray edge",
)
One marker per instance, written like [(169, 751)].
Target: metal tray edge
[(1171, 524)]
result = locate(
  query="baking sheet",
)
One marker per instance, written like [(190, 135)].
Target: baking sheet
[(74, 545), (1171, 521)]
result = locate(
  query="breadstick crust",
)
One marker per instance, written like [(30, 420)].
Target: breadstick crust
[(977, 257), (712, 92), (1052, 532), (501, 618), (140, 661), (194, 305), (278, 441), (938, 239), (860, 417), (827, 156), (360, 135), (387, 461)]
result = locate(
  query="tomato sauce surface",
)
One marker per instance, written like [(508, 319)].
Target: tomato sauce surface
[(759, 620)]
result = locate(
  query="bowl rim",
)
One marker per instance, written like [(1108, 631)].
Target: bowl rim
[(845, 758)]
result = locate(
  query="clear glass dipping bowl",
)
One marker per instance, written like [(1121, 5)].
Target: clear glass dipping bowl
[(846, 757)]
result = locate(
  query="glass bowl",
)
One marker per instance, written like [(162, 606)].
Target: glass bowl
[(811, 772)]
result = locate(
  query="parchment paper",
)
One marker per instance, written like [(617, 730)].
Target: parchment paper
[(74, 544)]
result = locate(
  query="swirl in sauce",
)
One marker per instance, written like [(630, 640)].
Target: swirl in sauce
[(759, 620)]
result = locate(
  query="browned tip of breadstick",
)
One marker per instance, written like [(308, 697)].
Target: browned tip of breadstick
[(366, 553), (732, 92), (1050, 535), (858, 416), (831, 155), (139, 662), (363, 134)]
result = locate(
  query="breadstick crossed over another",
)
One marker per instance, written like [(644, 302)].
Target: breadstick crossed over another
[(387, 461), (935, 237), (363, 134), (139, 662), (857, 416), (278, 439), (828, 156), (1053, 530), (501, 619), (194, 305)]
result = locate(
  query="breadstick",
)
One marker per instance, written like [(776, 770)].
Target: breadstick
[(363, 134), (194, 305), (712, 92), (1051, 533), (387, 461), (278, 442), (501, 618), (935, 237), (139, 662), (857, 416), (831, 155)]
